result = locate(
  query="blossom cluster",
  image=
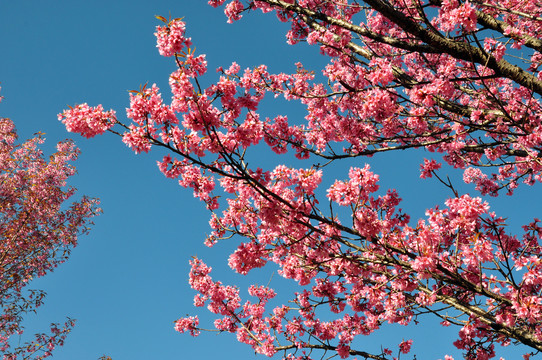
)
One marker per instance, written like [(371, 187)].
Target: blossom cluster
[(170, 38), (88, 121)]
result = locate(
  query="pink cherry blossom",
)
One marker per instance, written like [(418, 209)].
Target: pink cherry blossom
[(233, 10), (170, 38), (439, 76), (88, 121), (189, 323), (404, 346)]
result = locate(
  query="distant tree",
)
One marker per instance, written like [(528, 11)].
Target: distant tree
[(37, 232), (456, 78)]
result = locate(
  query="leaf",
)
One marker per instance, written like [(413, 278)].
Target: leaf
[(161, 18)]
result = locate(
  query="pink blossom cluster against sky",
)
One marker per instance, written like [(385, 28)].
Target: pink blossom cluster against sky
[(128, 281)]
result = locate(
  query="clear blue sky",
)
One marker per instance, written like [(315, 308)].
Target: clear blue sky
[(127, 281)]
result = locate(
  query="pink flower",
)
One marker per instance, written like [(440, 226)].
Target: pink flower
[(495, 48), (233, 11), (216, 3), (248, 256), (343, 350), (170, 39), (147, 106), (452, 15), (137, 139), (87, 121), (404, 346), (189, 323), (428, 167)]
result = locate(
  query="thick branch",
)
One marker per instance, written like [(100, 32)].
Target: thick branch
[(435, 42)]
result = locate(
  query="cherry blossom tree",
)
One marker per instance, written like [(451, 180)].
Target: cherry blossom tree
[(38, 229), (460, 79)]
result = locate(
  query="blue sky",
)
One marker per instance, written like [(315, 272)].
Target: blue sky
[(127, 281)]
